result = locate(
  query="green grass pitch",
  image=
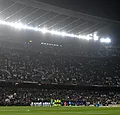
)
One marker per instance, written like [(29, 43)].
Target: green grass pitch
[(59, 111)]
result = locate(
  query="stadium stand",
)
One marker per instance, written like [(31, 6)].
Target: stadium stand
[(24, 96), (33, 58), (21, 65)]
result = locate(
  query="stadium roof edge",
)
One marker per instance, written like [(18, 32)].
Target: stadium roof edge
[(60, 10)]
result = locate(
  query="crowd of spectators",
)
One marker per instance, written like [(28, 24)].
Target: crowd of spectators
[(63, 64), (24, 96), (20, 65)]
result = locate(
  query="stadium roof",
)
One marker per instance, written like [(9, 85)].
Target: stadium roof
[(38, 14)]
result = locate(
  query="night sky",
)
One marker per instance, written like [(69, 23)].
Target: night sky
[(109, 9)]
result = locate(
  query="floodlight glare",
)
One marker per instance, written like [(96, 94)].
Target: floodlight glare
[(105, 40), (55, 32), (63, 34), (19, 25), (44, 30), (96, 37)]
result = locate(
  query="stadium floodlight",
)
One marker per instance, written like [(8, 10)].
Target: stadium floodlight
[(35, 29), (88, 37), (84, 37), (19, 25), (105, 40), (44, 30), (63, 34), (96, 37), (55, 32), (72, 35)]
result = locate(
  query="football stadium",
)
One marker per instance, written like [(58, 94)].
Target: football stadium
[(54, 62)]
